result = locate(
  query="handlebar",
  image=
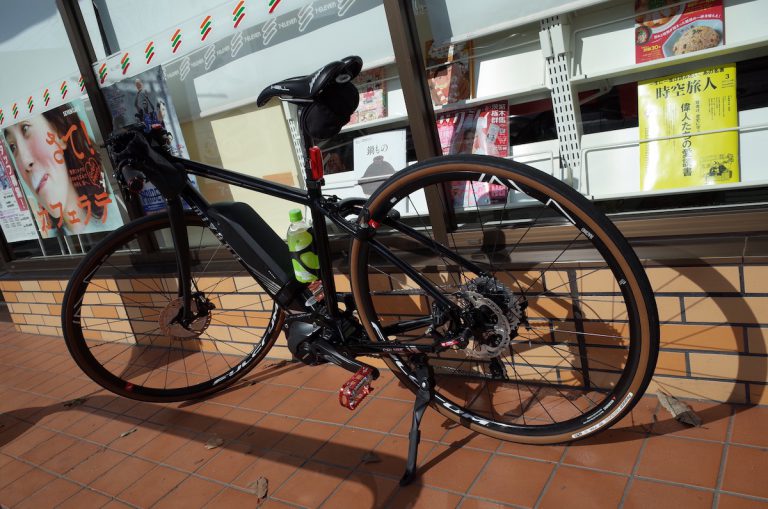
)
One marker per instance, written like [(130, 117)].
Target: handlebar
[(140, 155)]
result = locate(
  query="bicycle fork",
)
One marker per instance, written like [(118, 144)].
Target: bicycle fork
[(181, 243)]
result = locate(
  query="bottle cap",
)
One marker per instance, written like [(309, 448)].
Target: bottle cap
[(295, 215)]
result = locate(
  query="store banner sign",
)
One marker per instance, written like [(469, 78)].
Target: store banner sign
[(178, 40), (681, 28), (61, 172), (15, 217), (681, 106), (43, 98), (144, 99), (223, 34)]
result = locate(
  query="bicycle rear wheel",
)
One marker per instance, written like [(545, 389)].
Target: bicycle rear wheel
[(119, 307), (564, 328)]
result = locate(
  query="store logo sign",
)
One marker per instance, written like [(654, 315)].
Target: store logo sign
[(273, 5), (103, 73), (236, 44), (63, 89), (210, 56), (47, 96), (125, 63), (205, 28), (149, 51), (269, 30), (239, 13), (344, 6), (30, 104), (184, 68), (306, 14), (176, 40)]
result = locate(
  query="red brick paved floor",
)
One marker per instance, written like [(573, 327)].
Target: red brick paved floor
[(284, 424)]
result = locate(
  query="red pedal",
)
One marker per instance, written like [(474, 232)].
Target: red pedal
[(356, 388)]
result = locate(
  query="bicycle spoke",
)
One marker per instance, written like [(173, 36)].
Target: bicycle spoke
[(538, 384), (139, 354)]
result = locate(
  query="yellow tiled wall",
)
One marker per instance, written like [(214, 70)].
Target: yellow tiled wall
[(714, 322)]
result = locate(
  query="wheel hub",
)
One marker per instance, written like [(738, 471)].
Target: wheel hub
[(175, 330), (500, 313)]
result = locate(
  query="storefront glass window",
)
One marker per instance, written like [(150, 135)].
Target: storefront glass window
[(213, 65), (672, 101), (58, 196)]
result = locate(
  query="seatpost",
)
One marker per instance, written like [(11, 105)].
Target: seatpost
[(314, 187)]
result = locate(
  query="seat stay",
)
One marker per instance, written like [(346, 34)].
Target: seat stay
[(438, 248)]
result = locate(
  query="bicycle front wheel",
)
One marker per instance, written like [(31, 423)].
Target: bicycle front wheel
[(564, 328), (119, 309)]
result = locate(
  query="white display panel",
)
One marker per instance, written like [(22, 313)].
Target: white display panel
[(611, 159), (602, 38), (459, 19)]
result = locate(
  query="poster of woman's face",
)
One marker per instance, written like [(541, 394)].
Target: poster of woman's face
[(61, 172)]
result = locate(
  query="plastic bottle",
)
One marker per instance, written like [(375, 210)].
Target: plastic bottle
[(300, 244)]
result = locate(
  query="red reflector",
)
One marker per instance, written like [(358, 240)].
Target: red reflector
[(316, 162)]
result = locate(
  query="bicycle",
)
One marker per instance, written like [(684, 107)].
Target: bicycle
[(538, 325)]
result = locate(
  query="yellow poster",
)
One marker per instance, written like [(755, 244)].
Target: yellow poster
[(680, 106)]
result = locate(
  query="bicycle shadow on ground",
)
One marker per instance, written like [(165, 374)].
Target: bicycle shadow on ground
[(274, 445), (649, 417)]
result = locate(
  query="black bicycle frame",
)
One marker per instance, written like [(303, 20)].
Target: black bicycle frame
[(283, 287)]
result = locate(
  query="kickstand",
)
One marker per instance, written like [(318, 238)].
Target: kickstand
[(426, 381)]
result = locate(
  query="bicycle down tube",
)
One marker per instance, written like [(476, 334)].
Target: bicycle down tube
[(319, 212)]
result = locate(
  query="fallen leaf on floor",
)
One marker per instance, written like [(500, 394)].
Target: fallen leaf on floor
[(371, 457), (214, 442), (259, 487), (126, 433), (679, 410), (75, 402)]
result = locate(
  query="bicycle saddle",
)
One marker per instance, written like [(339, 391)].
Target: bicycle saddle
[(306, 88)]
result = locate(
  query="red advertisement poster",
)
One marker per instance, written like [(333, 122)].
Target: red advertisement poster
[(62, 173), (662, 31), (478, 130)]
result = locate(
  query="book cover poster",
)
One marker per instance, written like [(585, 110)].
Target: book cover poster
[(15, 216), (372, 87), (664, 28), (449, 71), (145, 99), (681, 106), (377, 157), (61, 172), (478, 130)]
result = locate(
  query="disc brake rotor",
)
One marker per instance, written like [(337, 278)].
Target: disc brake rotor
[(175, 330), (506, 311)]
